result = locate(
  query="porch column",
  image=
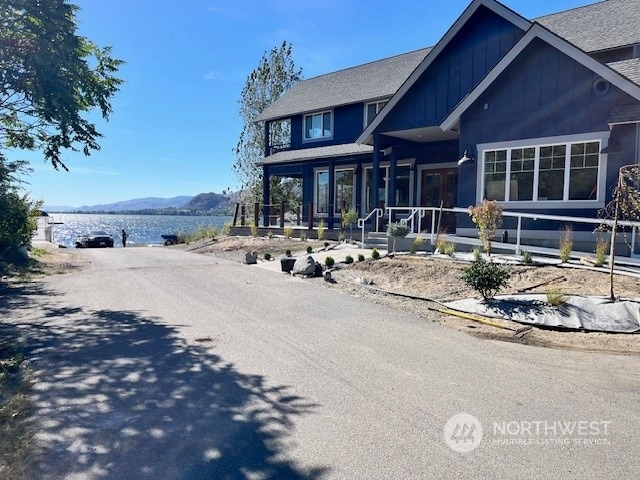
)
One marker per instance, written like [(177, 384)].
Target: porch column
[(265, 195), (375, 172), (358, 179), (391, 194), (332, 193), (267, 146)]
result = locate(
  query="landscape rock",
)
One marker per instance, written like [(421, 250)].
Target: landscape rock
[(305, 265), (250, 258)]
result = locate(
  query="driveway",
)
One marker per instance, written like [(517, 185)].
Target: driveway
[(161, 364)]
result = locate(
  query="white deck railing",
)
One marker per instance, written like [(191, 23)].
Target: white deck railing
[(410, 214)]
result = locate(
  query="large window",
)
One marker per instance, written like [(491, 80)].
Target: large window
[(317, 125), (322, 192), (371, 110), (563, 171), (345, 191)]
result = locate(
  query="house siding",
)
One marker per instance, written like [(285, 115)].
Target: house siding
[(460, 66), (347, 126), (543, 93)]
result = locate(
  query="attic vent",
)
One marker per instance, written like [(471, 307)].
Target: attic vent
[(600, 86)]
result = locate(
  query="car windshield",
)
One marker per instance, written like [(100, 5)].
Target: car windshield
[(98, 233)]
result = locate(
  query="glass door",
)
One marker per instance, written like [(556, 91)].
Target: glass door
[(439, 186)]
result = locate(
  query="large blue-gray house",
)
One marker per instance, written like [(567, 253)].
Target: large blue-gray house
[(547, 109)]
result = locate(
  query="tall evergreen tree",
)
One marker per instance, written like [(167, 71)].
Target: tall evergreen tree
[(275, 74)]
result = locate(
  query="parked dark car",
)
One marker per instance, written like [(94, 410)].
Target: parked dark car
[(95, 239)]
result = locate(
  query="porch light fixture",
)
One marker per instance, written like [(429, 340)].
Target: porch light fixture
[(466, 159)]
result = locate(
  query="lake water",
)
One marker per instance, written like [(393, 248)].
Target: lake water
[(141, 229)]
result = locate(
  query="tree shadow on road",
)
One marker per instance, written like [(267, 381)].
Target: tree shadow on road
[(120, 395)]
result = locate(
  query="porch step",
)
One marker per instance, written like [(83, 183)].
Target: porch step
[(376, 240)]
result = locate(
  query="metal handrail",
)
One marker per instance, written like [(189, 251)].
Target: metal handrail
[(379, 213)]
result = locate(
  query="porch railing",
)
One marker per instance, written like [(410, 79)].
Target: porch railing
[(409, 215), (377, 213)]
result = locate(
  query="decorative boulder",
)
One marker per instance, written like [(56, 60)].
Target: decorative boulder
[(305, 265), (250, 258), (287, 264)]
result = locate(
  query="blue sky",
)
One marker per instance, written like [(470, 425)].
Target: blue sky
[(175, 120)]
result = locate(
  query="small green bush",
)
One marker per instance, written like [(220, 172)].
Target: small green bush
[(329, 261), (288, 231), (566, 244), (309, 249), (441, 242), (417, 244), (477, 254), (267, 256), (226, 228), (360, 257), (348, 259), (450, 248), (303, 236), (602, 248), (269, 234), (486, 278), (254, 229), (321, 230), (554, 296), (375, 254), (527, 257), (287, 252), (326, 244)]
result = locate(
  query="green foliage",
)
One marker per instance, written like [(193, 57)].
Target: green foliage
[(341, 236), (326, 244), (201, 233), (287, 252), (555, 297), (275, 74), (267, 256), (254, 229), (269, 234), (602, 248), (566, 244), (441, 242), (321, 230), (288, 231), (486, 278), (477, 254), (348, 259), (397, 230), (417, 244), (303, 236), (17, 211), (329, 261), (450, 248), (360, 257), (349, 219), (527, 257), (226, 228), (309, 249), (487, 217), (375, 254), (51, 77)]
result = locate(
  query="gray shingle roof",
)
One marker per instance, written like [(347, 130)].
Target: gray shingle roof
[(628, 68), (600, 26), (370, 81), (318, 152), (625, 114)]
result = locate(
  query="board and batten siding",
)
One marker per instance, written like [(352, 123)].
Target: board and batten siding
[(475, 50)]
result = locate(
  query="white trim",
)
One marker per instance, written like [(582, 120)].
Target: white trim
[(602, 137), (366, 108), (538, 31), (316, 172), (354, 186), (492, 5), (313, 114)]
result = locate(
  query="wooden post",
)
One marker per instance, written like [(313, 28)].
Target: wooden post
[(310, 216), (235, 214), (256, 214), (243, 213), (298, 215), (281, 214)]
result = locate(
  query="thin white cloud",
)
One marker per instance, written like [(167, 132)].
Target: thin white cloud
[(94, 171)]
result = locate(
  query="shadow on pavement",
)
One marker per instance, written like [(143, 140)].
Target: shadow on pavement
[(120, 395)]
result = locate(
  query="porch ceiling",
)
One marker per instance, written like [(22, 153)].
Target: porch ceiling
[(425, 134)]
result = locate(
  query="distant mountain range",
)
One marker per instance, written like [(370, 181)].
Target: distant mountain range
[(200, 203)]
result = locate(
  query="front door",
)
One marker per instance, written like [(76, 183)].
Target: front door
[(439, 186)]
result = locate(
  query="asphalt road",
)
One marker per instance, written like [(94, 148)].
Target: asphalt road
[(161, 364)]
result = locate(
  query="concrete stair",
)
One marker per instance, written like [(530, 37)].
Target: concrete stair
[(376, 240)]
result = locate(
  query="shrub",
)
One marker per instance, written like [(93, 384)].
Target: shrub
[(254, 229), (287, 252), (309, 249), (526, 257), (601, 252), (349, 218), (487, 217), (226, 228), (267, 256), (397, 230), (566, 244), (329, 261), (348, 259), (269, 234), (360, 257), (288, 231), (341, 236), (321, 230), (450, 248), (303, 236), (554, 296), (375, 254), (417, 244), (477, 254), (326, 244), (486, 278)]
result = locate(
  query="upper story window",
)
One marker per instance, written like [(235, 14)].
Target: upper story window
[(371, 110), (542, 173), (318, 125)]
